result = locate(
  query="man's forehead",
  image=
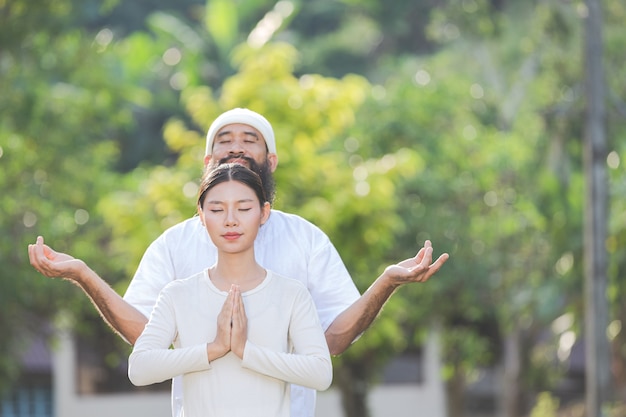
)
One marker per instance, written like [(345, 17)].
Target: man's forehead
[(239, 126)]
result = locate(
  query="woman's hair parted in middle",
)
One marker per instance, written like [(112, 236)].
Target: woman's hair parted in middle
[(231, 172)]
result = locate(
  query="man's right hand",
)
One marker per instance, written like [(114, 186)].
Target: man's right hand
[(54, 264)]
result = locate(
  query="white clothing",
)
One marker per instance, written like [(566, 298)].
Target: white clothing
[(286, 343), (286, 244)]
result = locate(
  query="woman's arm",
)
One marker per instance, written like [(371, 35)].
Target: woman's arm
[(152, 360), (309, 365)]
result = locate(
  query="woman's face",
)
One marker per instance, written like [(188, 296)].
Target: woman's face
[(232, 216)]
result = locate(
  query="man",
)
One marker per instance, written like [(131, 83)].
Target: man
[(286, 244)]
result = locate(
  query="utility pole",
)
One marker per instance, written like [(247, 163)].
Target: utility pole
[(597, 350)]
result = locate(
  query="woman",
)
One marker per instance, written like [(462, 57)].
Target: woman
[(240, 333)]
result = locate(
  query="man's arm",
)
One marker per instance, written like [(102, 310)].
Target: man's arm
[(122, 317), (354, 320)]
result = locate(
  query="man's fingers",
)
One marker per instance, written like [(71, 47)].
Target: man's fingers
[(440, 261), (31, 255), (36, 256), (420, 254), (435, 266)]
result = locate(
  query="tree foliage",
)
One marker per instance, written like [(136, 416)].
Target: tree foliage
[(58, 119), (454, 121)]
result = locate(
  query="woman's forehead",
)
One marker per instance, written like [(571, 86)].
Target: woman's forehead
[(231, 190)]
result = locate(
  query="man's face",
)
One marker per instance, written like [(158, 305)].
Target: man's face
[(238, 143)]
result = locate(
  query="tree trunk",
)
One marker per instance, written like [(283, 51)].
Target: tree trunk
[(351, 380), (455, 394), (511, 391), (618, 362), (597, 352)]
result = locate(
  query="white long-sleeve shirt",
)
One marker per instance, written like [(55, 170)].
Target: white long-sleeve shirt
[(287, 244), (285, 345)]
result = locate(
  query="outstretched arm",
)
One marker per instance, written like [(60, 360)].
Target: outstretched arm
[(353, 321), (123, 318)]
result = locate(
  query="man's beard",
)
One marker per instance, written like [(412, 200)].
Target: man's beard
[(263, 171)]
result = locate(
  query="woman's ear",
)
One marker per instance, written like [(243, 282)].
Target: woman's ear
[(265, 212)]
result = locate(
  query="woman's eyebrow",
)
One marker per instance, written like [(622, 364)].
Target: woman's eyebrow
[(243, 200)]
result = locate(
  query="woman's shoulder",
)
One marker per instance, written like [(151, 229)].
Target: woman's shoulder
[(286, 283), (185, 284)]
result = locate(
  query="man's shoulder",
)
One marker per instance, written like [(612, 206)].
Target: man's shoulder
[(190, 223), (181, 237), (290, 220), (184, 229), (291, 230)]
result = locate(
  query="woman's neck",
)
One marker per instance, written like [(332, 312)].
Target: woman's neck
[(236, 270)]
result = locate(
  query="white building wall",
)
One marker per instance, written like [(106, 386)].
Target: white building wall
[(403, 400), (67, 403)]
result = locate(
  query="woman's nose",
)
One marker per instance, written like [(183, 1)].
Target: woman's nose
[(231, 218)]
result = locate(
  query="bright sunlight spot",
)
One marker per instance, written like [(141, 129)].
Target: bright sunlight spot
[(362, 188), (562, 323), (351, 144), (476, 91), (172, 56), (272, 21), (566, 342), (386, 163), (565, 263), (422, 77), (29, 219), (469, 132), (190, 189), (178, 81), (612, 160), (81, 216), (491, 198), (379, 92), (104, 38), (306, 82), (614, 328), (360, 173)]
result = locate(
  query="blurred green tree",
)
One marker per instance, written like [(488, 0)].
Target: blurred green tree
[(58, 121), (463, 126)]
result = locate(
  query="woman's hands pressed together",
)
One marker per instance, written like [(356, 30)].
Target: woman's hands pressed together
[(232, 327)]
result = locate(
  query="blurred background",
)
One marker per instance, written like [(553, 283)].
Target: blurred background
[(466, 122)]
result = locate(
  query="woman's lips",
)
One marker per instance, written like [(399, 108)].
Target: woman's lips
[(231, 236)]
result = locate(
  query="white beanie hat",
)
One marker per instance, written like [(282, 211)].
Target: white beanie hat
[(246, 117)]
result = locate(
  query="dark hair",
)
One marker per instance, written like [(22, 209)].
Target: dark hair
[(263, 170), (231, 172)]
